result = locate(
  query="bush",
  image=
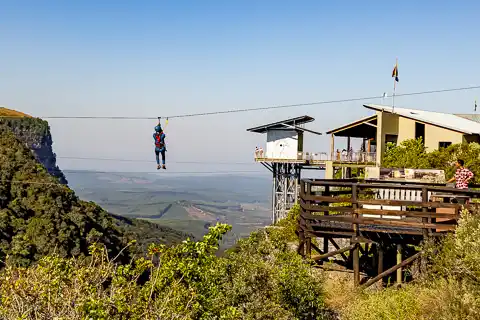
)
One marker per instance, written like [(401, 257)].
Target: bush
[(263, 279)]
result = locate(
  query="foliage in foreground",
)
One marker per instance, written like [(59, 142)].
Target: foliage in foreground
[(262, 279), (450, 291)]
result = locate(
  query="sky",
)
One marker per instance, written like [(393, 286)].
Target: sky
[(165, 58)]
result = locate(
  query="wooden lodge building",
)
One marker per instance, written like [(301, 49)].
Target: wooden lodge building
[(436, 129)]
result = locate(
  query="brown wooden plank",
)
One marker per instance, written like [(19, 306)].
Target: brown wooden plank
[(311, 207), (407, 213), (390, 202), (323, 198), (320, 233), (381, 222), (333, 253), (399, 185)]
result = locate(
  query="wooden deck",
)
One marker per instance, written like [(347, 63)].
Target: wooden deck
[(376, 224)]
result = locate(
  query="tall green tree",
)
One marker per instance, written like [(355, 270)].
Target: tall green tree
[(408, 154)]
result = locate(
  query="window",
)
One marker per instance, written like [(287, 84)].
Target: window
[(443, 144), (420, 131), (391, 138)]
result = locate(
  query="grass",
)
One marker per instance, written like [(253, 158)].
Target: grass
[(4, 112)]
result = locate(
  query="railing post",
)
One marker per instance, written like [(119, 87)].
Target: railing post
[(302, 187), (325, 238), (424, 209), (308, 240)]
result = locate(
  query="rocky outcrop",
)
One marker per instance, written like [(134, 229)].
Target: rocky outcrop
[(35, 134)]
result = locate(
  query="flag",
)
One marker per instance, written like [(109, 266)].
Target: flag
[(395, 72)]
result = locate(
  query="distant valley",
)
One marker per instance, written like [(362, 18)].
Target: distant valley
[(186, 203)]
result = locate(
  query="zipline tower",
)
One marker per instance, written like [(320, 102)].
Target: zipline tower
[(284, 157)]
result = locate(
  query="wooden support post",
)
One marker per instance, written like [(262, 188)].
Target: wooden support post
[(391, 270), (308, 247), (325, 245), (348, 170), (374, 250), (301, 244), (325, 238), (399, 261), (356, 265), (356, 250), (425, 220), (308, 240), (301, 235), (332, 147), (380, 259)]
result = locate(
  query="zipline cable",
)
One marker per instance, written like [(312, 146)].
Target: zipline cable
[(119, 172), (152, 161), (264, 108)]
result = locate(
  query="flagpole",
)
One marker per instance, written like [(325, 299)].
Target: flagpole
[(394, 85)]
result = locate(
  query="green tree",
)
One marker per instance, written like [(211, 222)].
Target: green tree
[(408, 154)]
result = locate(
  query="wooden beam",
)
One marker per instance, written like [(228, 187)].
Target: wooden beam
[(391, 270), (344, 257), (314, 247), (333, 253)]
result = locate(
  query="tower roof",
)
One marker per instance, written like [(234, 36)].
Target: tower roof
[(283, 124)]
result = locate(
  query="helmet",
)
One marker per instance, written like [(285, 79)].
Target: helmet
[(158, 128)]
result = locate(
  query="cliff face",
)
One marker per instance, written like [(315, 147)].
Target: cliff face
[(34, 133)]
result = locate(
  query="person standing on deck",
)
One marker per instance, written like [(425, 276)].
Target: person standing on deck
[(462, 175)]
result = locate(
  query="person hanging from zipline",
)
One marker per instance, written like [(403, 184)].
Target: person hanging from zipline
[(160, 146)]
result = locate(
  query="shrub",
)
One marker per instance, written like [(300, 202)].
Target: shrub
[(263, 279)]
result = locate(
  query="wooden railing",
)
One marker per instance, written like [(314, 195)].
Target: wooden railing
[(355, 206)]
